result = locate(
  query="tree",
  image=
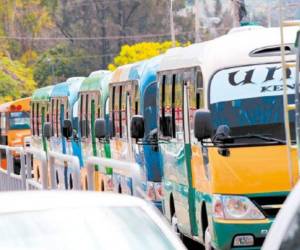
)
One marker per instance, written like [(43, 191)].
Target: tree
[(61, 62), (140, 51), (16, 81)]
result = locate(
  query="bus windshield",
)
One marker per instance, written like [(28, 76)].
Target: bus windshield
[(19, 120), (249, 100)]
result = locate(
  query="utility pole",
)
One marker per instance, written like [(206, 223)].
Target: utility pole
[(197, 21), (235, 10), (269, 14), (172, 24)]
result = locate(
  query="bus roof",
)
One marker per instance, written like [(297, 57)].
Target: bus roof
[(93, 81), (148, 75), (70, 89), (241, 46), (42, 94), (23, 103), (124, 73)]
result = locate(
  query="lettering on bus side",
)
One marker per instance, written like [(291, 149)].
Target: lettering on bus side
[(244, 82), (243, 77)]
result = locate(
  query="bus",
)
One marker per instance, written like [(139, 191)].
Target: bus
[(222, 138), (93, 105), (63, 111), (132, 95), (39, 115), (15, 127)]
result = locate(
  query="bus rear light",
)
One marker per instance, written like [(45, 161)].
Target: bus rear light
[(16, 108)]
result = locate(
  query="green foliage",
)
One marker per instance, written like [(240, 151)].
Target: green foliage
[(59, 63), (140, 51), (16, 81)]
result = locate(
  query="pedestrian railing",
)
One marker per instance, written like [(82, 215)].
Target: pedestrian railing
[(41, 171), (9, 181), (36, 170), (64, 171), (126, 169)]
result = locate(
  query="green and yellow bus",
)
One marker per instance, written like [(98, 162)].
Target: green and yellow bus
[(222, 137), (93, 104)]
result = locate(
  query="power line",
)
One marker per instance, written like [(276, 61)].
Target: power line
[(92, 38)]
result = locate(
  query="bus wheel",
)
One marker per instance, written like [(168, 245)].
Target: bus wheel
[(174, 223), (208, 245)]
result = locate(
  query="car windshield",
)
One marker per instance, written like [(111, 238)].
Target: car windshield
[(126, 228), (249, 100), (19, 120)]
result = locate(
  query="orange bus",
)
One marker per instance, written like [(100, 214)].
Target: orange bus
[(15, 127)]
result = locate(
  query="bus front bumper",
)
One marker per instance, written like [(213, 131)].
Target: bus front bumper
[(225, 233)]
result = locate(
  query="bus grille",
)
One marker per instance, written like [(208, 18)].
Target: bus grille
[(270, 205)]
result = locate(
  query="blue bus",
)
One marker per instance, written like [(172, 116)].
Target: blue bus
[(133, 95)]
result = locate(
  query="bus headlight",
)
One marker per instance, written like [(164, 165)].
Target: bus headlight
[(234, 207)]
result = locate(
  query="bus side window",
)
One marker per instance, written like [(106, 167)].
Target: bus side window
[(3, 123), (57, 113), (120, 111), (136, 99), (173, 105), (123, 105), (32, 119), (162, 91), (66, 108), (87, 116), (52, 119), (112, 109), (37, 119), (167, 118), (199, 90), (178, 106), (81, 115), (116, 111)]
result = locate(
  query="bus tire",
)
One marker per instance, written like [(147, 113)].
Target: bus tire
[(207, 240)]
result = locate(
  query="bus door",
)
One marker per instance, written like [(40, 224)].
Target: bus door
[(95, 112), (56, 119), (62, 115), (175, 148), (119, 144)]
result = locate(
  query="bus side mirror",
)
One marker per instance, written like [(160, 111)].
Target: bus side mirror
[(202, 124), (67, 129), (100, 128), (137, 127), (47, 130)]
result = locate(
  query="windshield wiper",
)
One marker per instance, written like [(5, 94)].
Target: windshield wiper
[(258, 136)]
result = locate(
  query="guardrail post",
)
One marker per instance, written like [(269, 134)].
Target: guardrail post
[(72, 167), (23, 169), (90, 176)]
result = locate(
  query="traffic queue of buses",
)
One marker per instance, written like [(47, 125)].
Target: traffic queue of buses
[(217, 186)]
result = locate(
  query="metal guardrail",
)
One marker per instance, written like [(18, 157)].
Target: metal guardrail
[(127, 169), (64, 171), (9, 181), (36, 180)]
